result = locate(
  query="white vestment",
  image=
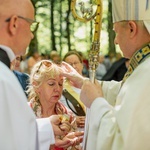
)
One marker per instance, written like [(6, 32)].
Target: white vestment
[(18, 122), (125, 124)]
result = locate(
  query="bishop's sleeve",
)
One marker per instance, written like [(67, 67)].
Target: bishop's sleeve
[(103, 130), (46, 134)]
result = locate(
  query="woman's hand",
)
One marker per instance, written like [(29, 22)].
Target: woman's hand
[(65, 124), (80, 121), (71, 139), (55, 122)]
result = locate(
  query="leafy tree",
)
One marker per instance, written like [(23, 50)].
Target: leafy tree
[(59, 30)]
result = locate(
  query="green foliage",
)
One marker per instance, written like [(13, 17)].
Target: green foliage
[(59, 30)]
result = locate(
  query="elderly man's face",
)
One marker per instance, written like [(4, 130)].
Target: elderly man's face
[(122, 37)]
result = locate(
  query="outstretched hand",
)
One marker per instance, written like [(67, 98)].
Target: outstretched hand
[(90, 91), (71, 139), (70, 73)]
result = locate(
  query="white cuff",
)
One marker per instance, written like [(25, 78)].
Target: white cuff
[(45, 133)]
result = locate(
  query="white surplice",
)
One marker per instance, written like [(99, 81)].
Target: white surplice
[(18, 127), (125, 124)]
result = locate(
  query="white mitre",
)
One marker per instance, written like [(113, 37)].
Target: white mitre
[(131, 10)]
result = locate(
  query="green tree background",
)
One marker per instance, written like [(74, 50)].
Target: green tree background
[(60, 31)]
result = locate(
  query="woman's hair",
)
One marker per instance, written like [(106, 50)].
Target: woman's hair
[(73, 53), (40, 72)]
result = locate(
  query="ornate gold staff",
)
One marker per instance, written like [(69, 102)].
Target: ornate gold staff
[(87, 15)]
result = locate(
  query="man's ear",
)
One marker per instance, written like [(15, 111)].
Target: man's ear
[(133, 28), (13, 25)]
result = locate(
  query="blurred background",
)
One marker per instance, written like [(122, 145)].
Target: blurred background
[(60, 31)]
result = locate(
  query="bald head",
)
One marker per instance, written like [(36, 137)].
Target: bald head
[(13, 24), (14, 7)]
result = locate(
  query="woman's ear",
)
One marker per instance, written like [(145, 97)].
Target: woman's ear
[(35, 87), (13, 25), (34, 83)]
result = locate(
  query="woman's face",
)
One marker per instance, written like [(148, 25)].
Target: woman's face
[(74, 61), (50, 90)]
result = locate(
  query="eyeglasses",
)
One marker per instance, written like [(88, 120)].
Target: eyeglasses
[(74, 64), (34, 24)]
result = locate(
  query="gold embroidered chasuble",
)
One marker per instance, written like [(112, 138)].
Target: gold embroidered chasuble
[(137, 58)]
